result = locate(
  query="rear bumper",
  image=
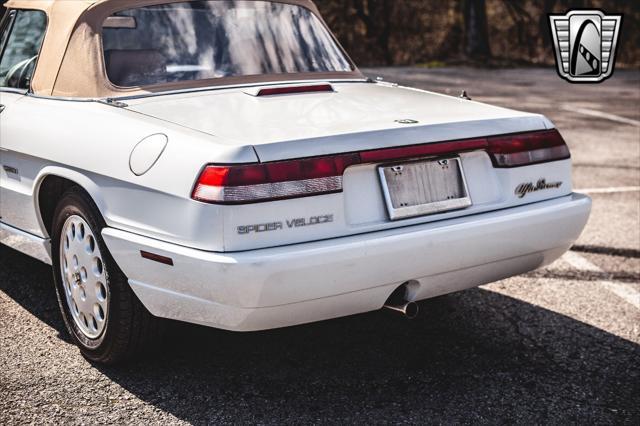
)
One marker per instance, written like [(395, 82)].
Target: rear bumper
[(282, 286)]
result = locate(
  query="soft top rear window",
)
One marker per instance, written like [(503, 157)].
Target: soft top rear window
[(199, 40)]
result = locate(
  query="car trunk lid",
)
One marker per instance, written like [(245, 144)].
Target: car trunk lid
[(351, 117)]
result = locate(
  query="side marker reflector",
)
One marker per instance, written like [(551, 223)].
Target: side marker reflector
[(156, 258)]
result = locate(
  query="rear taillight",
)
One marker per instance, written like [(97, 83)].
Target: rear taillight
[(272, 181), (527, 148), (247, 183)]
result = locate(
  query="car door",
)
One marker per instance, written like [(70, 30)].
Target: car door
[(21, 36)]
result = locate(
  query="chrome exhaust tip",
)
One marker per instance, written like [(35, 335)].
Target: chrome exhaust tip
[(409, 309), (398, 302)]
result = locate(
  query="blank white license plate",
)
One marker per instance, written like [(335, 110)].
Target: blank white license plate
[(424, 187)]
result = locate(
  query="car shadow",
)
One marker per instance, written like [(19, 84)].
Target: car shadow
[(30, 284), (474, 356)]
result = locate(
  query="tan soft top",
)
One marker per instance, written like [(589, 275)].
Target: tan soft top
[(71, 61)]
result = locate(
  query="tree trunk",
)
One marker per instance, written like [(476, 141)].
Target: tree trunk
[(543, 24), (476, 29), (384, 38)]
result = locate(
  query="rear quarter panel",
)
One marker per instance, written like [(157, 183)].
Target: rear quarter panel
[(90, 143)]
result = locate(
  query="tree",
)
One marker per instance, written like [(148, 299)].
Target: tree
[(476, 29), (377, 16)]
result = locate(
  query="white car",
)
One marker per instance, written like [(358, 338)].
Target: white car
[(226, 164)]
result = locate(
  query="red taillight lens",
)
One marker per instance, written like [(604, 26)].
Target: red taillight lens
[(272, 181), (527, 148), (314, 176)]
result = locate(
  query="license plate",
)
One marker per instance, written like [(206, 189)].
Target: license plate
[(424, 187)]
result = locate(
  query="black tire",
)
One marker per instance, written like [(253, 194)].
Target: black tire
[(130, 329)]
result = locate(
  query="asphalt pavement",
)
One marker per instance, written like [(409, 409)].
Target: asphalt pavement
[(558, 345)]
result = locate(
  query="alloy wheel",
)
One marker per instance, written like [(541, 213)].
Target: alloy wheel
[(83, 277)]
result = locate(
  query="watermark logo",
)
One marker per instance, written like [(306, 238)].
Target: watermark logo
[(585, 43)]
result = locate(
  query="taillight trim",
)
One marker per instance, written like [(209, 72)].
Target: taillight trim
[(231, 202), (555, 150)]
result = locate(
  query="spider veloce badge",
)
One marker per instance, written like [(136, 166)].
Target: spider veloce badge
[(585, 44)]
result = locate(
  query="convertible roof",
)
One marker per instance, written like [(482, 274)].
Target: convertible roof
[(71, 62)]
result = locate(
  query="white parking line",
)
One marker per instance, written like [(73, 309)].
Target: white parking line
[(600, 114), (609, 190), (579, 262), (628, 294)]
